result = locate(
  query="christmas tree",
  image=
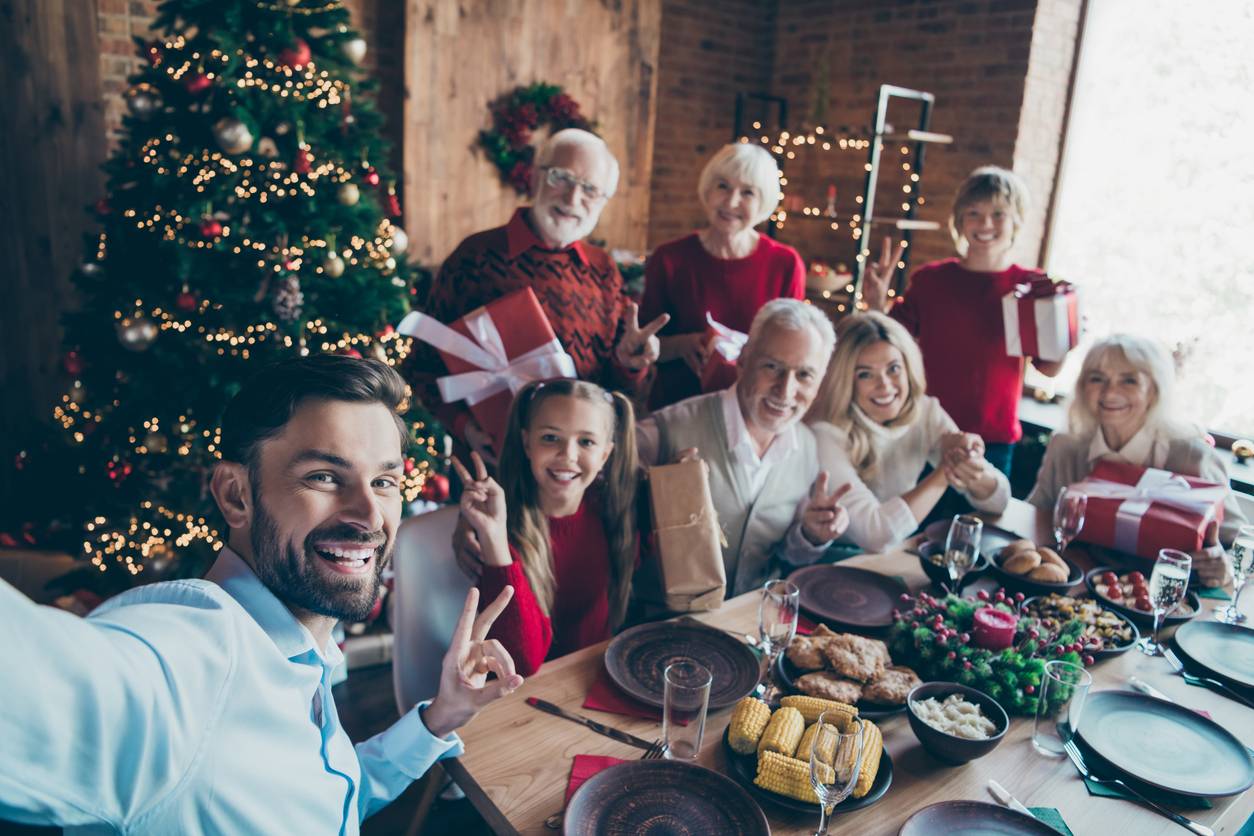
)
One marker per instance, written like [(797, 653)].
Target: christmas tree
[(249, 216)]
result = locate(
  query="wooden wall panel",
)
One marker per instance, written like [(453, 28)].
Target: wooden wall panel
[(462, 55), (51, 145)]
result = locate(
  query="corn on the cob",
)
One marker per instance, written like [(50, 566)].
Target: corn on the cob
[(788, 776), (827, 746), (782, 733), (872, 748), (812, 707), (748, 720)]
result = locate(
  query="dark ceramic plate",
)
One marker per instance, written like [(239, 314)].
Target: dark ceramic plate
[(972, 818), (637, 658), (937, 573), (1165, 745), (662, 797), (1106, 651), (1225, 651), (786, 674), (992, 538), (1139, 617), (744, 768), (855, 599), (1028, 586)]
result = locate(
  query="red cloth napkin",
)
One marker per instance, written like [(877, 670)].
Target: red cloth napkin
[(605, 696), (584, 767)]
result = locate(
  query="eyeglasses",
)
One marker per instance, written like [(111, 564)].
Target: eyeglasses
[(562, 178)]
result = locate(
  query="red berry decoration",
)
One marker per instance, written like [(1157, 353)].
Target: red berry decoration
[(210, 228), (1088, 660), (1029, 689), (951, 655), (372, 176), (303, 162), (966, 664), (185, 301), (982, 595), (297, 55), (197, 83)]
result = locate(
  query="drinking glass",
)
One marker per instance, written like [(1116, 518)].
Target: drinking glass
[(1242, 555), (685, 698), (777, 624), (1167, 585), (839, 738), (1064, 688), (1068, 516), (962, 546)]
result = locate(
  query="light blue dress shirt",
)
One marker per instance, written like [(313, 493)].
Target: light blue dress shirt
[(191, 706)]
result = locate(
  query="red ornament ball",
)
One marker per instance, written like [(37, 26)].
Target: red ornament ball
[(186, 301), (297, 55), (197, 82), (303, 162), (372, 176), (210, 228), (435, 488), (72, 363)]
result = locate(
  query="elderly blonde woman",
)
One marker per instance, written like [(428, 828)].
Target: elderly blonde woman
[(876, 428), (1122, 409), (728, 269)]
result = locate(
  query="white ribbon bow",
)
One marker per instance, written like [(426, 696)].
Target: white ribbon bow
[(727, 341), (485, 349), (1155, 485)]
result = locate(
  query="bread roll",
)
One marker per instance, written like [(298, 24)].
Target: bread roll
[(1049, 573), (1020, 563), (1048, 555), (1020, 546)]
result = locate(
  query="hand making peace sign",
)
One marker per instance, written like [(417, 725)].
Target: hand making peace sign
[(824, 519), (638, 347), (878, 274), (471, 656), (483, 507)]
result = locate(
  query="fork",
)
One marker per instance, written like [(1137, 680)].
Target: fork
[(1073, 752), (653, 753), (1204, 681)]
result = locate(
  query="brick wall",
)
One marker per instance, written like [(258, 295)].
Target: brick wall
[(710, 51)]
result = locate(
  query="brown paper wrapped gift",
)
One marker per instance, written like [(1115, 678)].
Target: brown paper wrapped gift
[(687, 537)]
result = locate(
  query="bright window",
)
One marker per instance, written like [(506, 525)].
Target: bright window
[(1155, 211)]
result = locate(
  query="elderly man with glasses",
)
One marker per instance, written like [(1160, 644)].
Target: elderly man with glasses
[(577, 284)]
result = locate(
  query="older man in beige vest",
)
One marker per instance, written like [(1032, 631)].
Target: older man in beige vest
[(772, 500)]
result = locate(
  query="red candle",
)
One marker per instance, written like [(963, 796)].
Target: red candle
[(994, 629)]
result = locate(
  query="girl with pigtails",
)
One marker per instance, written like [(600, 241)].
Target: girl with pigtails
[(560, 527)]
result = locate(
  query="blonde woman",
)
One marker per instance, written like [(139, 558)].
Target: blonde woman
[(728, 270), (876, 428), (1122, 408), (560, 528)]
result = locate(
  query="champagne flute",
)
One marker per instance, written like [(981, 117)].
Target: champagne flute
[(1167, 585), (835, 762), (962, 546), (777, 624), (1242, 555), (1068, 516)]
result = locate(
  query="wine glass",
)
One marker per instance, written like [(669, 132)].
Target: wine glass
[(962, 546), (1167, 585), (835, 761), (777, 624), (1242, 555), (1068, 516)]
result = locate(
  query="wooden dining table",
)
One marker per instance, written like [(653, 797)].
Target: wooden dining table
[(517, 759)]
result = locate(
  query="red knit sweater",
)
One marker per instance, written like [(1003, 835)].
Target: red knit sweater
[(685, 281), (580, 616)]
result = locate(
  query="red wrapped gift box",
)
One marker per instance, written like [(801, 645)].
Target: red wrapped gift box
[(1140, 510), (491, 353), (725, 344), (1042, 319)]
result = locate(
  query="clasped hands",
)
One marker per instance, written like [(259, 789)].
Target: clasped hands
[(965, 468)]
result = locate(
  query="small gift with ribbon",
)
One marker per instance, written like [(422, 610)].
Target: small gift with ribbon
[(687, 537), (725, 345), (1041, 319), (1139, 510), (491, 353)]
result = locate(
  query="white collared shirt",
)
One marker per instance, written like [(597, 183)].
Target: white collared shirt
[(1144, 449), (740, 443)]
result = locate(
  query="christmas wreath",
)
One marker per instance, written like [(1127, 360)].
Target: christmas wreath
[(942, 639), (515, 116)]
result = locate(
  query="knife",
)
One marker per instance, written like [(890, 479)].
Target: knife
[(1004, 798), (600, 728), (1147, 689)]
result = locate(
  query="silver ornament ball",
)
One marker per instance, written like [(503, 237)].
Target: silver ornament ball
[(333, 266), (143, 101), (232, 135), (400, 241), (354, 49), (137, 333)]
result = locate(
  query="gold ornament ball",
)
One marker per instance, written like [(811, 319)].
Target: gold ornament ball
[(136, 333), (400, 241), (349, 194), (156, 442), (354, 49), (267, 148), (232, 135), (333, 266), (1243, 449)]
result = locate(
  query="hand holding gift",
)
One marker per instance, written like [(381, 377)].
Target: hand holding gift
[(1041, 319)]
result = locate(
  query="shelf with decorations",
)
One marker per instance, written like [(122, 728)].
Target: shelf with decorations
[(830, 281)]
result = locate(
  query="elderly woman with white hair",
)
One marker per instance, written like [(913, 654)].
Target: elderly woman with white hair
[(728, 269), (1122, 409)]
